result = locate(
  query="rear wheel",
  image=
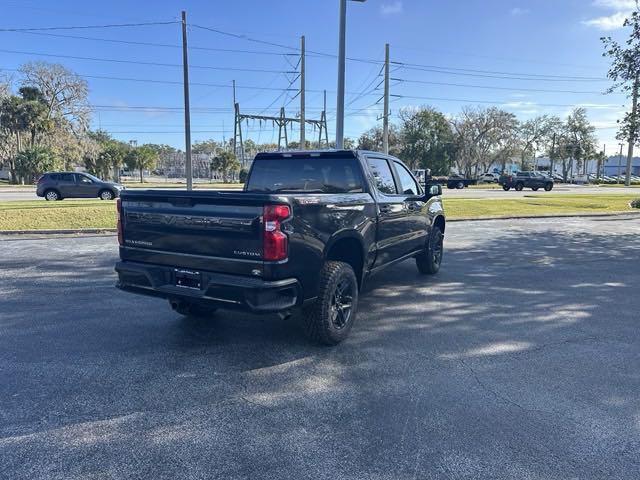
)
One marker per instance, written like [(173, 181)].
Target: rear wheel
[(330, 317), (535, 189), (460, 185), (519, 187), (428, 262), (52, 195), (506, 188)]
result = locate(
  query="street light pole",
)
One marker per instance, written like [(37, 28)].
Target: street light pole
[(341, 74)]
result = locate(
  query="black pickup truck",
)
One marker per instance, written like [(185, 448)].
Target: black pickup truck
[(521, 180), (307, 230)]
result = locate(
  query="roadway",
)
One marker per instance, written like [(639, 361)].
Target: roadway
[(518, 360), (14, 194)]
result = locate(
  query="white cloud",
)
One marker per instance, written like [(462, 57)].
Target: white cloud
[(391, 8), (609, 22), (622, 9), (517, 11)]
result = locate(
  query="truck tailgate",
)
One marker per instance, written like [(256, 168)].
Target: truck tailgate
[(204, 230)]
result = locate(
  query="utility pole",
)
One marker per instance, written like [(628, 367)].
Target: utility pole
[(341, 67), (634, 129), (187, 114), (302, 87), (235, 123), (385, 118)]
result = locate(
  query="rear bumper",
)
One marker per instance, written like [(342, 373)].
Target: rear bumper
[(225, 291)]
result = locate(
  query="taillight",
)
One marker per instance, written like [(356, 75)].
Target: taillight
[(275, 243), (119, 212)]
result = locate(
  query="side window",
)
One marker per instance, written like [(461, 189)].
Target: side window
[(68, 177), (84, 180), (382, 175), (407, 184)]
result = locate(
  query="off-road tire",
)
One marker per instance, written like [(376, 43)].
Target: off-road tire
[(429, 261), (320, 325)]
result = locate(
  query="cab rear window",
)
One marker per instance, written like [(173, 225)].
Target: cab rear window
[(306, 175)]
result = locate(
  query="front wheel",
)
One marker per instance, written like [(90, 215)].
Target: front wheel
[(506, 188), (330, 317), (106, 195), (460, 185), (548, 187), (428, 262)]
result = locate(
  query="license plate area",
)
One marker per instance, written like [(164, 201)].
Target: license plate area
[(188, 279)]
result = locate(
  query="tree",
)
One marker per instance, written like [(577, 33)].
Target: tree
[(34, 161), (141, 158), (103, 154), (22, 115), (206, 146), (225, 163), (625, 73), (65, 94), (426, 140), (372, 140), (482, 137), (576, 143), (533, 133)]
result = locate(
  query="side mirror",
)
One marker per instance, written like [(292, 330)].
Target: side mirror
[(434, 190)]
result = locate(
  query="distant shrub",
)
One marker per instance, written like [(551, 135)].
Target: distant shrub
[(635, 203)]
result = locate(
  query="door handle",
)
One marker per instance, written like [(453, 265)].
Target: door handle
[(385, 209), (413, 206)]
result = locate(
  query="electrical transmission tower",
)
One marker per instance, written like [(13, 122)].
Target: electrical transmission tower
[(282, 121)]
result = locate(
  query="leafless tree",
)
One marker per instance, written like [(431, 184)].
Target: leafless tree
[(483, 136), (64, 91)]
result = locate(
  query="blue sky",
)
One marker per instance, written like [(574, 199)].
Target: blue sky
[(468, 39)]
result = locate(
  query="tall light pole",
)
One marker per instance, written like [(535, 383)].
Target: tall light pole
[(341, 69)]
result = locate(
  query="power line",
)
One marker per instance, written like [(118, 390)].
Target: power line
[(81, 27), (140, 62), (488, 87), (503, 77), (153, 44), (243, 37)]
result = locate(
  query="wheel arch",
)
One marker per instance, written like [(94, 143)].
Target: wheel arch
[(440, 221), (348, 246)]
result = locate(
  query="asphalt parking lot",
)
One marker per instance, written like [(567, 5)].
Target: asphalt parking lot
[(521, 359)]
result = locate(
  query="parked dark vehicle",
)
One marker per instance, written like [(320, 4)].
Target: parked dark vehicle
[(59, 185), (458, 181), (307, 231), (452, 181), (521, 180)]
